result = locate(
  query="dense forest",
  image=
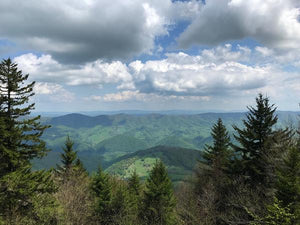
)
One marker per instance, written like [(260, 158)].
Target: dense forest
[(252, 178)]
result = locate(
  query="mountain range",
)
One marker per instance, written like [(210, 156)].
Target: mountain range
[(110, 139)]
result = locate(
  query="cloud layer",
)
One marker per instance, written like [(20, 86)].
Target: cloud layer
[(273, 23), (213, 72), (83, 31)]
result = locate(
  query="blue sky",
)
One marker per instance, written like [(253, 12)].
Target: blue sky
[(155, 55)]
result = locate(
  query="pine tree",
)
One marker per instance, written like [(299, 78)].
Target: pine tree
[(218, 155), (213, 173), (20, 143), (101, 189), (288, 184), (255, 145), (158, 202), (68, 158), (21, 138), (134, 184), (135, 190)]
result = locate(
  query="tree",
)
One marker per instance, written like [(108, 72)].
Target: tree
[(73, 183), (219, 154), (21, 136), (101, 189), (288, 183), (20, 143), (158, 201), (276, 214), (212, 177), (135, 190), (69, 156), (69, 159), (256, 140), (134, 184)]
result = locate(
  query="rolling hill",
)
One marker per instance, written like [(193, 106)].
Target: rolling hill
[(180, 162), (105, 138)]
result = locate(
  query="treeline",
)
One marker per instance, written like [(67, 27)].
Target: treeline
[(253, 182)]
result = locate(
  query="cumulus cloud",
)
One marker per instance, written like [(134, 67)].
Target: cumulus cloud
[(273, 23), (83, 31), (220, 71), (97, 73), (55, 92), (213, 72)]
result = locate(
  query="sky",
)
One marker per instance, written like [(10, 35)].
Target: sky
[(104, 55)]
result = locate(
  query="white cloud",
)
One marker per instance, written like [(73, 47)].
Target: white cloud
[(55, 92), (97, 73), (126, 96), (84, 31), (213, 72), (217, 72), (273, 23)]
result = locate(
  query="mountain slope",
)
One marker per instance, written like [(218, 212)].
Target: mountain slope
[(180, 162)]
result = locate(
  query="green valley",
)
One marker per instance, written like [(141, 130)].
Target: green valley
[(107, 139)]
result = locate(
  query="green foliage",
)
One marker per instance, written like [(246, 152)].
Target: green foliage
[(134, 184), (212, 175), (218, 154), (69, 159), (19, 190), (20, 143), (68, 156), (180, 162), (158, 201), (255, 144), (276, 214), (101, 189), (21, 137), (288, 184), (130, 133)]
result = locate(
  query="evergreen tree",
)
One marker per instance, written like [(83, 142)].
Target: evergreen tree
[(79, 166), (218, 155), (255, 145), (21, 136), (158, 202), (212, 174), (134, 189), (69, 156), (101, 188), (121, 205), (20, 143), (288, 184), (134, 184)]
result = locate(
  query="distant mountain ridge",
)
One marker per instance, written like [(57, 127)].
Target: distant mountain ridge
[(104, 138), (76, 120)]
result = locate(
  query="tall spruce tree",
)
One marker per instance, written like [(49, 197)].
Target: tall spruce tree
[(218, 154), (20, 143), (71, 166), (22, 139), (102, 192), (158, 202), (255, 145), (68, 157), (212, 175), (134, 184)]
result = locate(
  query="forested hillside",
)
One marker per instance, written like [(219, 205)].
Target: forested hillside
[(107, 137)]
